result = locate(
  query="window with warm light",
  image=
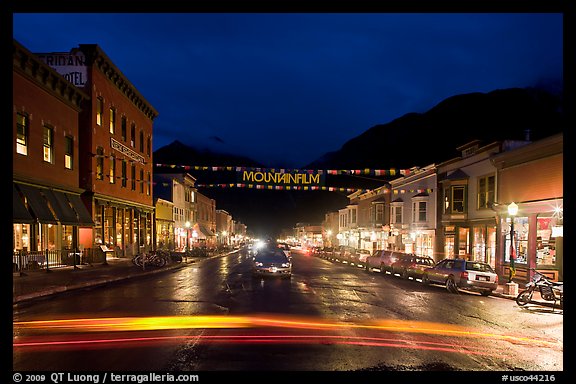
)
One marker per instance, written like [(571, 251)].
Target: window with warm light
[(68, 152), (99, 110), (99, 163), (148, 184), (112, 120), (22, 128), (112, 174), (48, 145)]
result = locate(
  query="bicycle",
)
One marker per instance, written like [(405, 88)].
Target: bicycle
[(153, 259)]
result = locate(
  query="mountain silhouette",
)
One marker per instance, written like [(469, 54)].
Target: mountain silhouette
[(418, 139), (415, 139)]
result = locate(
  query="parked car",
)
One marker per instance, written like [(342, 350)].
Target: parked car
[(382, 259), (462, 274), (361, 256), (326, 252), (410, 265), (271, 262), (344, 254)]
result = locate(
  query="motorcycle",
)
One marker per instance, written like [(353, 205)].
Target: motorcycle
[(549, 291)]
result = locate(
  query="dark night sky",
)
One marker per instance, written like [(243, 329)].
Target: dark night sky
[(285, 88)]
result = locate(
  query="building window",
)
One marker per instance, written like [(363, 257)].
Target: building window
[(133, 135), (99, 163), (99, 111), (124, 173), (419, 211), (486, 194), (455, 199), (148, 146), (133, 177), (68, 152), (123, 128), (141, 141), (148, 184), (396, 216), (112, 170), (141, 181), (48, 146), (379, 216), (22, 128), (112, 120)]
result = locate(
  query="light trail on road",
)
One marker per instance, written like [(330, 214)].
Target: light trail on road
[(122, 324)]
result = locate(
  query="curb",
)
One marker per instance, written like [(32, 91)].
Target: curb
[(94, 283)]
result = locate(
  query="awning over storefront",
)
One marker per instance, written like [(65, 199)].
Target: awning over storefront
[(84, 218), (38, 204), (206, 231), (19, 212), (61, 207)]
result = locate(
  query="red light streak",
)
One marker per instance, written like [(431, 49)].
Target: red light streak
[(269, 339)]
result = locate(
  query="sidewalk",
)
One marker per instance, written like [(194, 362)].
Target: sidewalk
[(37, 284)]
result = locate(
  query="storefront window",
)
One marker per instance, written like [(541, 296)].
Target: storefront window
[(424, 243), (142, 229), (127, 229), (50, 240), (521, 230), (109, 226), (491, 253), (463, 241), (479, 244), (449, 246), (67, 237), (98, 229), (21, 237), (547, 232), (119, 222)]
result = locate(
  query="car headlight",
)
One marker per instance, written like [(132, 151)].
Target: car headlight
[(285, 265), (258, 264)]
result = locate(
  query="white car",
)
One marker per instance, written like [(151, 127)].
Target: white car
[(362, 255)]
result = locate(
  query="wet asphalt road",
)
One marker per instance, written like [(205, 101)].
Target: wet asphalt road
[(326, 317)]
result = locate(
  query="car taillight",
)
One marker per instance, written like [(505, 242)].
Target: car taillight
[(464, 275), (496, 279)]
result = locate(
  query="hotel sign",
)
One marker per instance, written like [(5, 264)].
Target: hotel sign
[(118, 146), (295, 178), (71, 65)]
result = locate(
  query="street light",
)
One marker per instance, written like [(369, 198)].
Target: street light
[(512, 211), (187, 236)]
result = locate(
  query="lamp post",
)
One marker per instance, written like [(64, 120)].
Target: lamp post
[(187, 236), (512, 211)]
